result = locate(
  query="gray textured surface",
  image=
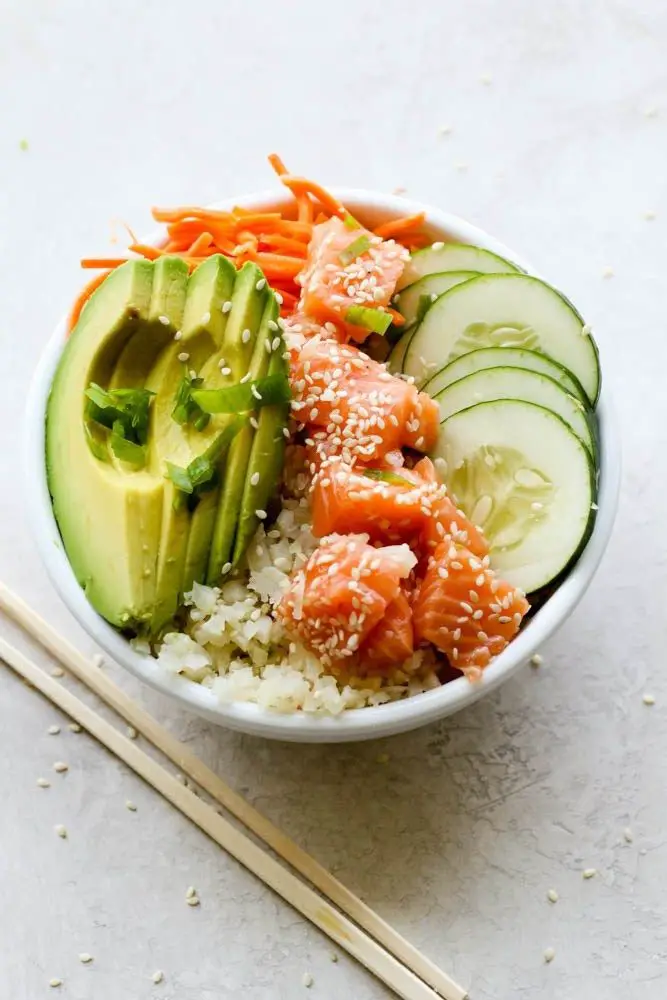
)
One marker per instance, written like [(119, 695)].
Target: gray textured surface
[(458, 837)]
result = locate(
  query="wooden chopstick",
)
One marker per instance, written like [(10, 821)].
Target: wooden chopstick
[(419, 969)]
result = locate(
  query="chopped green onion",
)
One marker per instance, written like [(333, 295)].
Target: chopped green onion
[(350, 222), (129, 407), (185, 409), (95, 443), (386, 476), (125, 450), (370, 319), (179, 477), (244, 396), (355, 249)]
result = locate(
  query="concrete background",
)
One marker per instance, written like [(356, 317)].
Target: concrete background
[(558, 143)]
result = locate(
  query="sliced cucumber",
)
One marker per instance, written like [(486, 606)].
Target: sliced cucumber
[(504, 357), (518, 383), (521, 474), (505, 310), (452, 257), (411, 301), (397, 353)]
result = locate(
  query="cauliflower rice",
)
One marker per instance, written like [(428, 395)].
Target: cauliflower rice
[(233, 644)]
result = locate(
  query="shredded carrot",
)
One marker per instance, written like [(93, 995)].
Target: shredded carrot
[(95, 263), (397, 226), (277, 241), (396, 318), (83, 297), (150, 253)]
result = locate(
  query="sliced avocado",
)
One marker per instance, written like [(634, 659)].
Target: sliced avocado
[(250, 295), (202, 322), (234, 471), (199, 541), (266, 462), (109, 516)]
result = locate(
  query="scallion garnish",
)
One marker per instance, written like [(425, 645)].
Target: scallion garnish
[(128, 407), (124, 449), (350, 222), (200, 474), (355, 249), (374, 320), (244, 396), (387, 476), (186, 411)]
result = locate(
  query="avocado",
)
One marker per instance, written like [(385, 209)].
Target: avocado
[(266, 462), (108, 515), (202, 324), (252, 310), (137, 542)]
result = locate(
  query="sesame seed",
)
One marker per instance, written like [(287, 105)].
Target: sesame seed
[(246, 378), (53, 730), (74, 727), (98, 660), (191, 892), (206, 318), (455, 564), (650, 113), (131, 733), (226, 306), (261, 284), (589, 872), (586, 331), (333, 956), (57, 672), (157, 977), (466, 607), (445, 130), (43, 783), (477, 615), (193, 901), (245, 336), (254, 424), (226, 568), (648, 699), (61, 831), (275, 343), (254, 479), (164, 320), (53, 983), (183, 356), (461, 166), (178, 335), (85, 958), (627, 835), (552, 896), (226, 370), (130, 805), (261, 514), (535, 660), (486, 80), (286, 432), (438, 245), (307, 980), (607, 272), (650, 215), (272, 325), (549, 954), (60, 766)]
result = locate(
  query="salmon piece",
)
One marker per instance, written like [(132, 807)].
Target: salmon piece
[(355, 405), (392, 641), (348, 267), (447, 519), (465, 610), (335, 601), (390, 504)]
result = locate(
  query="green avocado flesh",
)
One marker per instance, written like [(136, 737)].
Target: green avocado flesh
[(150, 493)]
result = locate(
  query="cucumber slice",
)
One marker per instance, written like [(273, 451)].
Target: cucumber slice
[(522, 476), (452, 257), (397, 353), (409, 301), (518, 383), (505, 310), (504, 357)]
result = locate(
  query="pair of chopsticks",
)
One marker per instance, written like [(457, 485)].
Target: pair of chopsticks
[(354, 926)]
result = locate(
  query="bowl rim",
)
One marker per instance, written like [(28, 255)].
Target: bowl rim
[(369, 722)]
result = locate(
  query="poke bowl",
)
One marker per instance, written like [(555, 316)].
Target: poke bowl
[(337, 565)]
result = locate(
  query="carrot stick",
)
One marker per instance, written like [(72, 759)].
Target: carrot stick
[(202, 243), (83, 297), (275, 241), (277, 164), (180, 214), (397, 226), (150, 253), (300, 185), (276, 265), (396, 318), (103, 262)]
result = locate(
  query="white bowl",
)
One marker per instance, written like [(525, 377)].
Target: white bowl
[(359, 724)]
